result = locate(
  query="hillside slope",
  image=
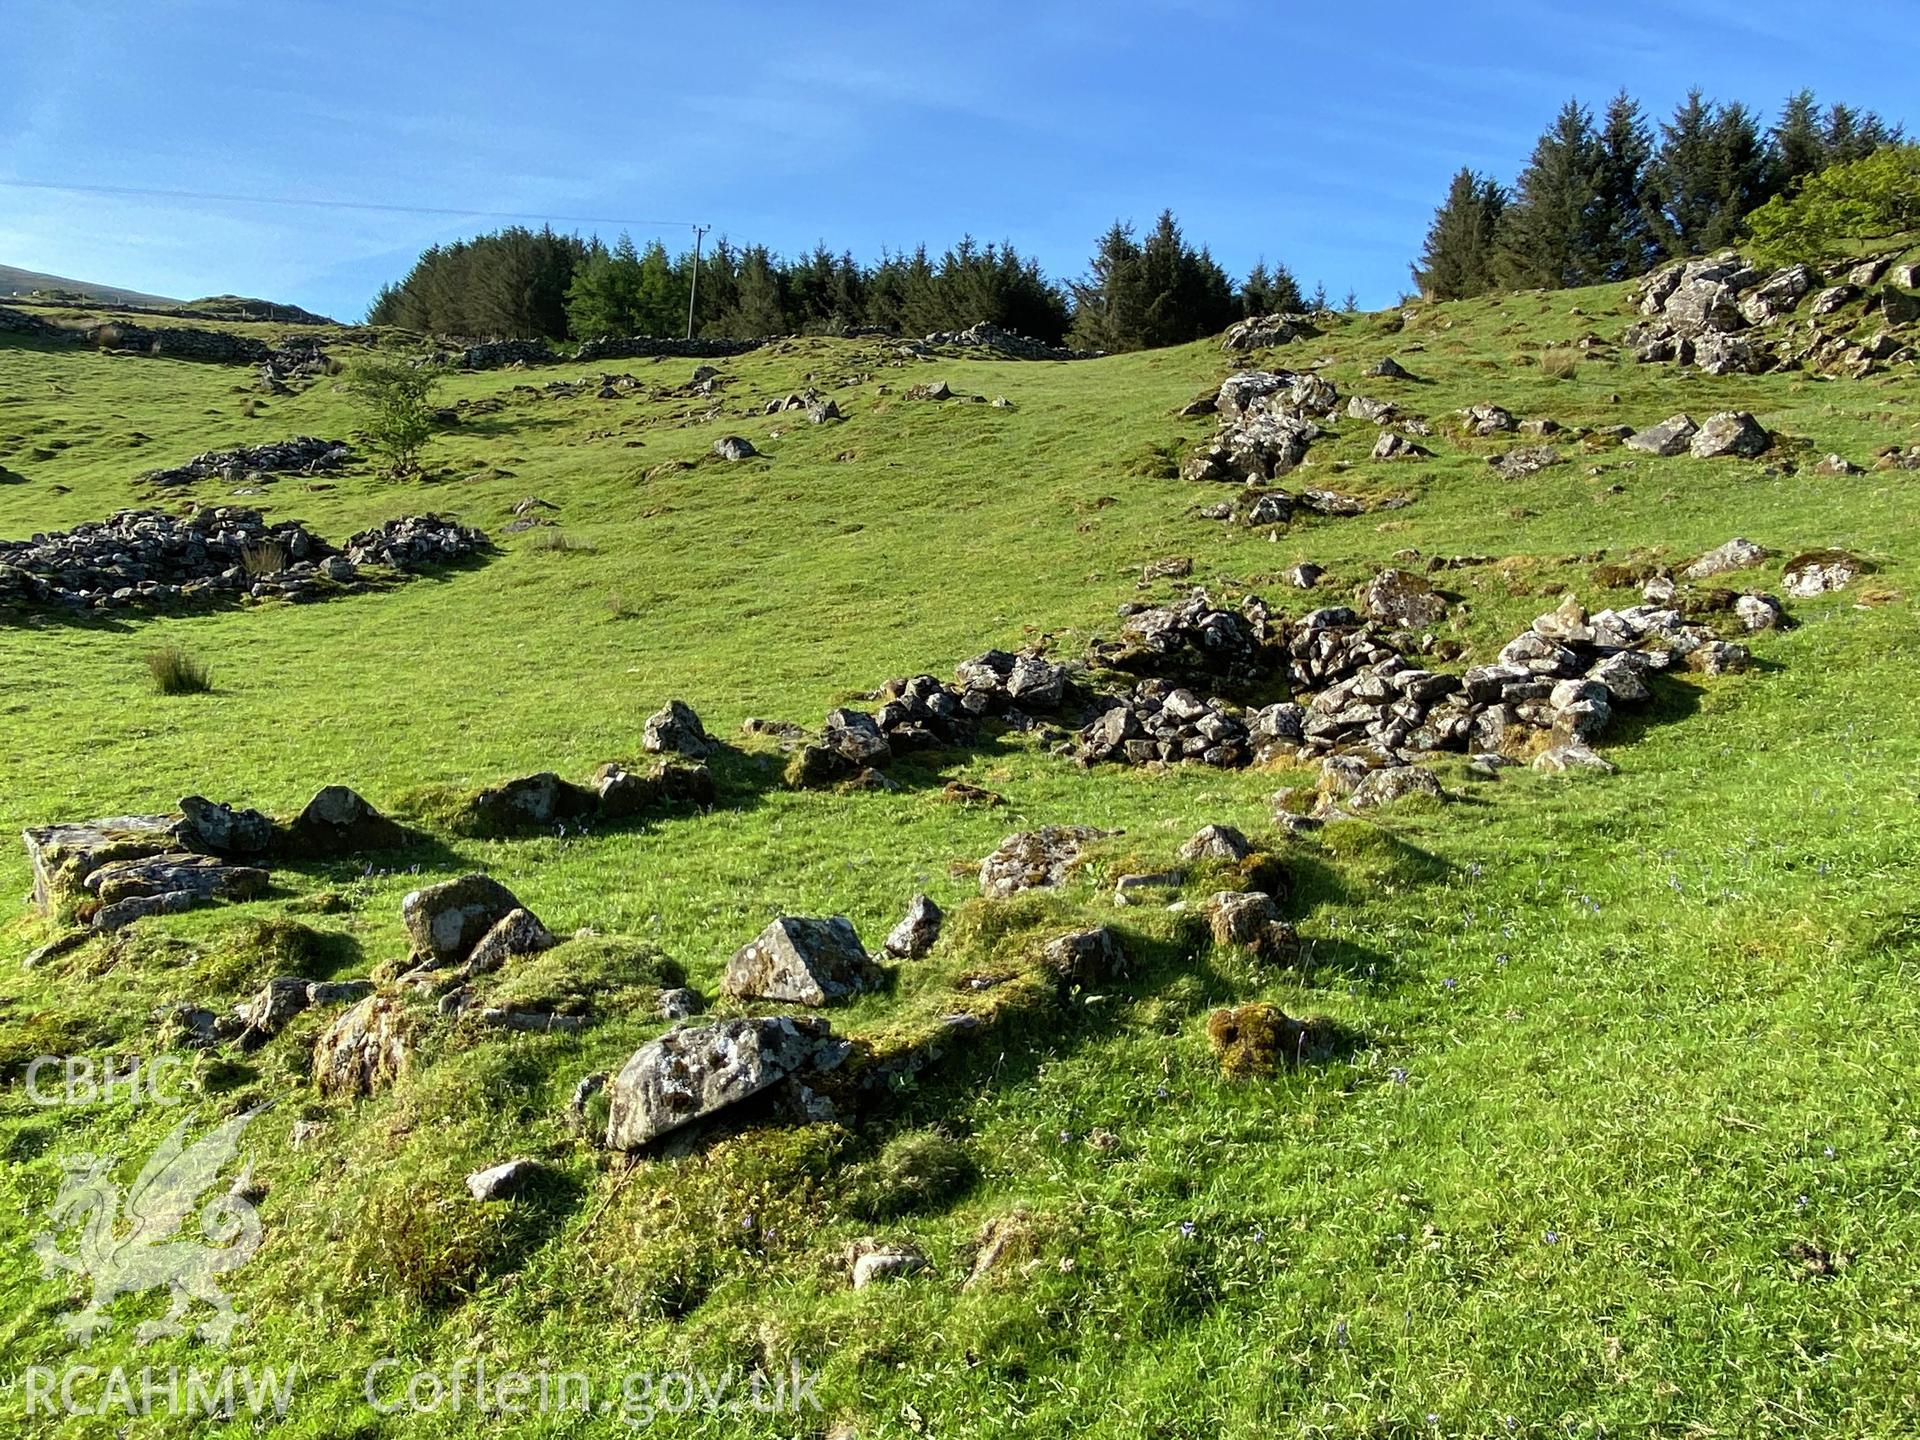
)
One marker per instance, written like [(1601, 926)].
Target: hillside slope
[(1606, 1122)]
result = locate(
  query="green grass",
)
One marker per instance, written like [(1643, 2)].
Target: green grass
[(1627, 1050)]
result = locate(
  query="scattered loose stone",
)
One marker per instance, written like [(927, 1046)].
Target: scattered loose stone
[(505, 1180), (1738, 553), (1216, 842), (1733, 432), (871, 1262), (917, 934), (518, 932), (734, 447), (1667, 439)]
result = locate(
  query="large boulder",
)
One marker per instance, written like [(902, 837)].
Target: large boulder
[(1703, 305), (696, 1070), (676, 730), (1732, 432), (530, 802), (804, 962), (447, 920), (1035, 859)]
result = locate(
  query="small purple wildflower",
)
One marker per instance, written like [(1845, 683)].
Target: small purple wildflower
[(1552, 1237), (1187, 1228), (1398, 1075), (1340, 1334)]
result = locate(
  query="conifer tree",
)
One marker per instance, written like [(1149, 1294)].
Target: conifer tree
[(1546, 234), (1456, 263)]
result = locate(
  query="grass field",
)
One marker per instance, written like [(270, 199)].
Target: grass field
[(1626, 1140)]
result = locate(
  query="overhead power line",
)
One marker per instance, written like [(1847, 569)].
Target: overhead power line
[(314, 203)]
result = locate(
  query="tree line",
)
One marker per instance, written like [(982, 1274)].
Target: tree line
[(1140, 291), (1608, 200)]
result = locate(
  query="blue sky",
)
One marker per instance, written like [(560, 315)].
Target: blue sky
[(1319, 134)]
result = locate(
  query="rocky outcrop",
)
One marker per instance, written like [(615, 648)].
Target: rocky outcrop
[(1728, 317), (1262, 332), (1267, 419)]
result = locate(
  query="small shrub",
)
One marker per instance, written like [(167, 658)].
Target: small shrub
[(1560, 364), (395, 401), (175, 672)]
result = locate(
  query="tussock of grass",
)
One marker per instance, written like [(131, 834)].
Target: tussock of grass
[(175, 672)]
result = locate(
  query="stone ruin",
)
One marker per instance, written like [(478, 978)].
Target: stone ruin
[(257, 464), (150, 560)]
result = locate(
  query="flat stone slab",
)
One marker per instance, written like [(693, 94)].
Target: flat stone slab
[(64, 855)]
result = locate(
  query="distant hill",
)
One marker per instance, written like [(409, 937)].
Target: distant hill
[(22, 282), (17, 282)]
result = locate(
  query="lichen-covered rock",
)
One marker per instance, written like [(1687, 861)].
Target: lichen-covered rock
[(1216, 842), (918, 933), (223, 830), (1250, 920), (1389, 783), (1403, 599), (697, 1070), (63, 856), (1737, 554), (1732, 432), (803, 961), (445, 921), (518, 932), (734, 447), (1668, 438), (676, 730), (204, 877), (529, 802), (1086, 957), (1759, 612), (1820, 571), (365, 1050), (1035, 859)]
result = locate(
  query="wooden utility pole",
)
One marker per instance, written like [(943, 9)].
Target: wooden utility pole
[(694, 294)]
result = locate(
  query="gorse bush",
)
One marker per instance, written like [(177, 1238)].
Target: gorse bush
[(1871, 199), (175, 672)]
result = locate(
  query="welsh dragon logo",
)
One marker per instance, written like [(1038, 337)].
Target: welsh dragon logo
[(129, 1243)]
